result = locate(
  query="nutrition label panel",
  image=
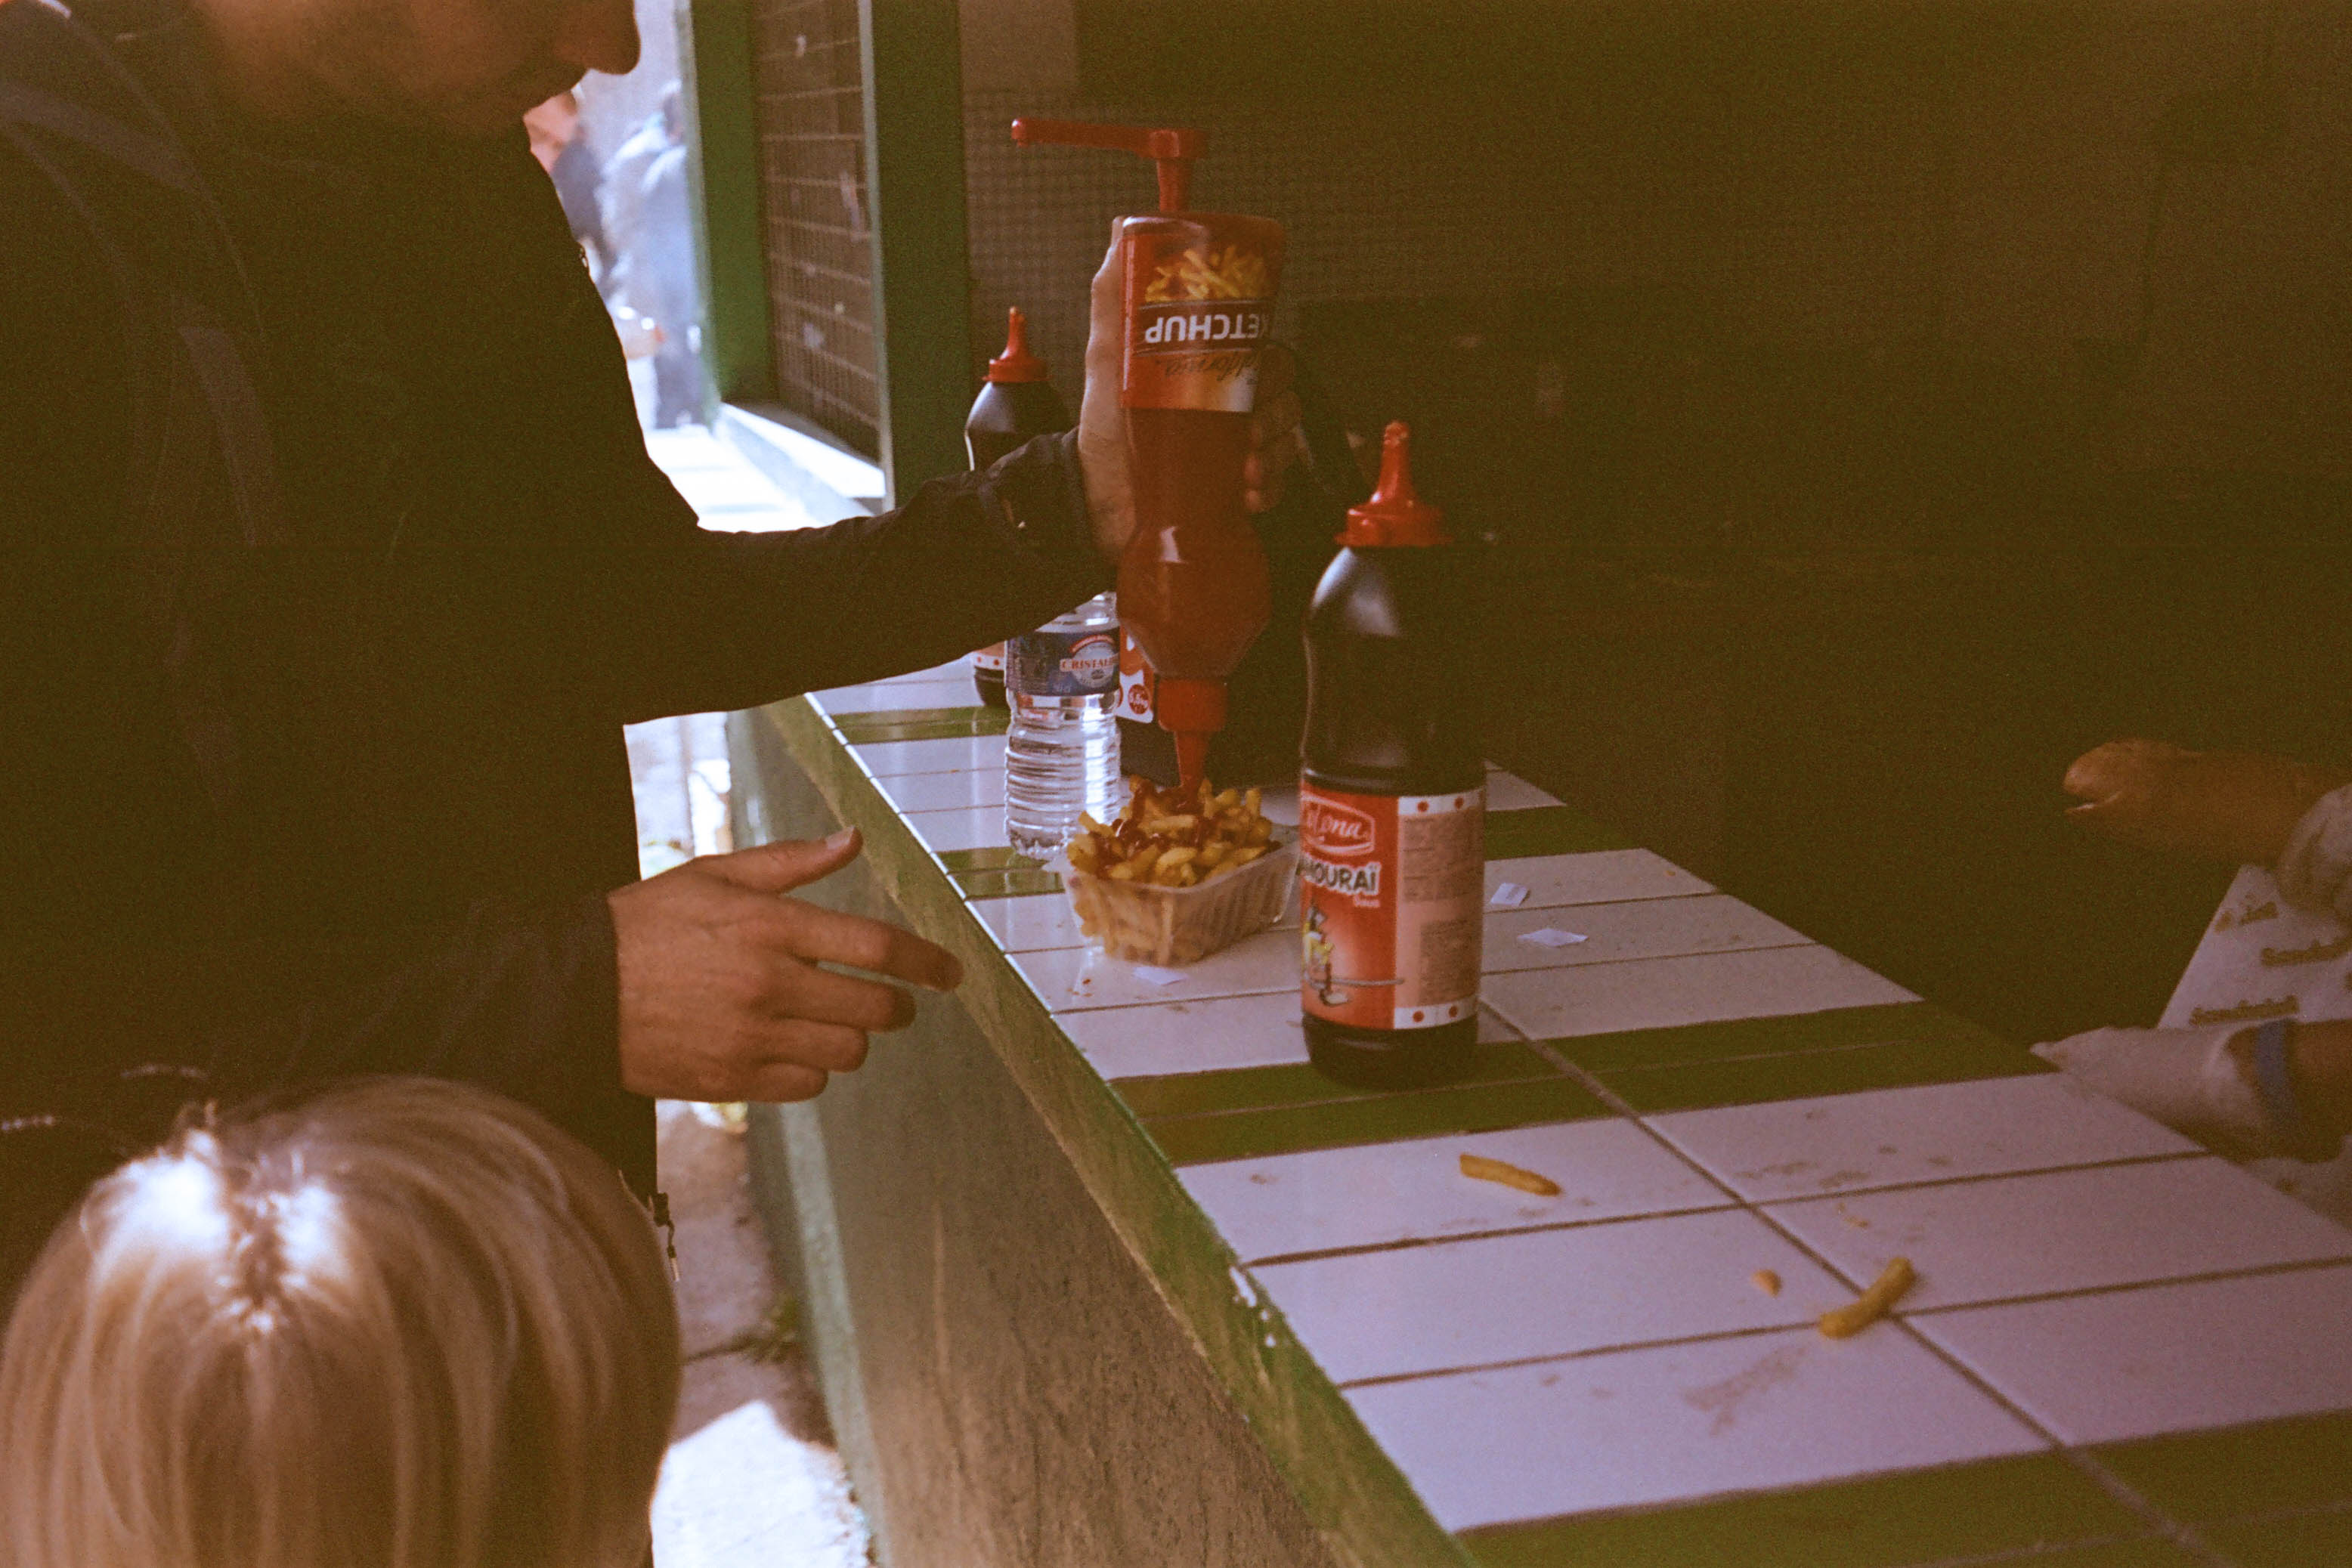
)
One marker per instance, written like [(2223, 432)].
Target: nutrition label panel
[(1729, 1250)]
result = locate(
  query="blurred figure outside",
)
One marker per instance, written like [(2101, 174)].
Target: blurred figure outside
[(560, 142), (648, 218), (664, 266)]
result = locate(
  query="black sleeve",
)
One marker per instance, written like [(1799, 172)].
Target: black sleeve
[(712, 621), (517, 1000), (658, 616)]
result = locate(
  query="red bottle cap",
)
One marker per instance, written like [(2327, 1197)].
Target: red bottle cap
[(1016, 363), (1171, 149), (1395, 514)]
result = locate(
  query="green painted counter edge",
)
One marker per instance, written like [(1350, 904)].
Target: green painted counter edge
[(1350, 1490)]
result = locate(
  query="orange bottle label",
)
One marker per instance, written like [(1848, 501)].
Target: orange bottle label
[(1137, 682), (1199, 306), (1391, 894)]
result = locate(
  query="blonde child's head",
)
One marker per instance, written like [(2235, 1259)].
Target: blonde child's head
[(398, 1322)]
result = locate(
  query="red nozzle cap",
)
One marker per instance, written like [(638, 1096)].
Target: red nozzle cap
[(1016, 363), (1173, 149), (1395, 514)]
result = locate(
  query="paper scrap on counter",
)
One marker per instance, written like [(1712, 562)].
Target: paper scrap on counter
[(1508, 895), (1553, 936), (1152, 975)]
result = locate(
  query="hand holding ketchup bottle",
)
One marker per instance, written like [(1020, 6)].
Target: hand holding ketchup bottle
[(1197, 306)]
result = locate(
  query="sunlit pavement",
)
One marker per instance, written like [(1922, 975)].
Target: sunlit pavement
[(752, 1479)]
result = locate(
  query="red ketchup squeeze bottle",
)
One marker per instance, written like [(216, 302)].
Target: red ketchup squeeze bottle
[(1198, 301), (1392, 800)]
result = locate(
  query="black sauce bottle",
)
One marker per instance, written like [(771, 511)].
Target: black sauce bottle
[(1391, 806), (1016, 405)]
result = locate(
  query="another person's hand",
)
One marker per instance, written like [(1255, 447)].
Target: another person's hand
[(1276, 443), (721, 994), (2232, 806)]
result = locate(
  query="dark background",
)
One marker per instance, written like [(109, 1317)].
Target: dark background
[(1864, 409)]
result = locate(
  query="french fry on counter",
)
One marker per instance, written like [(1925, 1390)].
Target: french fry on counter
[(1844, 1323), (1170, 839), (1478, 1167)]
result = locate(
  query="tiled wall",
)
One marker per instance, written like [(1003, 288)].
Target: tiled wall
[(811, 114), (1903, 228)]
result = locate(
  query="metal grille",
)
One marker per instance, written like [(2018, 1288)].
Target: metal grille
[(812, 122)]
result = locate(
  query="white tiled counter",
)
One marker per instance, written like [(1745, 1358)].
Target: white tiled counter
[(2121, 1353)]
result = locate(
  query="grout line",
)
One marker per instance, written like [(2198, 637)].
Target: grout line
[(1662, 957), (1408, 1243), (1735, 1201), (1392, 1097), (1564, 1357), (1766, 1056), (2181, 1534), (2259, 1270), (2026, 1556), (1975, 1178)]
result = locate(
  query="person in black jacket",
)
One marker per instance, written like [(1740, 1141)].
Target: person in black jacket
[(331, 564)]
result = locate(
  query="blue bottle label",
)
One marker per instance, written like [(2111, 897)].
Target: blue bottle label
[(1063, 664)]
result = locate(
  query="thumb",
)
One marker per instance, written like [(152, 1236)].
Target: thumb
[(1106, 324), (787, 864)]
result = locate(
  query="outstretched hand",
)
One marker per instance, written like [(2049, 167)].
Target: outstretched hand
[(1276, 441), (2232, 806), (722, 996)]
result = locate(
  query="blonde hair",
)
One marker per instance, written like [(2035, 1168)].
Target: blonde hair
[(397, 1323)]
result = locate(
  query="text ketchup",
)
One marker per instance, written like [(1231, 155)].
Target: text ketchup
[(1197, 293), (1392, 800)]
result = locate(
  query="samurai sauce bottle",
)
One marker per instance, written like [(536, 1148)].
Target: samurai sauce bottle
[(1015, 406), (1392, 800)]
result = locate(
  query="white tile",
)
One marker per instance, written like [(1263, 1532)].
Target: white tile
[(912, 792), (1647, 1427), (898, 696), (1546, 1292), (1506, 792), (1382, 1193), (1191, 1037), (1030, 923), (2132, 1363), (1216, 1036), (937, 675), (1643, 928), (1599, 876), (2066, 1230), (1882, 1137), (1659, 993), (973, 828), (887, 759), (1075, 979)]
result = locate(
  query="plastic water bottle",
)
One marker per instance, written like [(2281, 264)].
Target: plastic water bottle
[(1061, 754)]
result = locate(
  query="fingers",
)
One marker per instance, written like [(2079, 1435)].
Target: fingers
[(803, 993), (789, 863), (820, 1048), (1266, 472), (1276, 441), (1277, 373), (782, 1084), (829, 936), (1105, 329)]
